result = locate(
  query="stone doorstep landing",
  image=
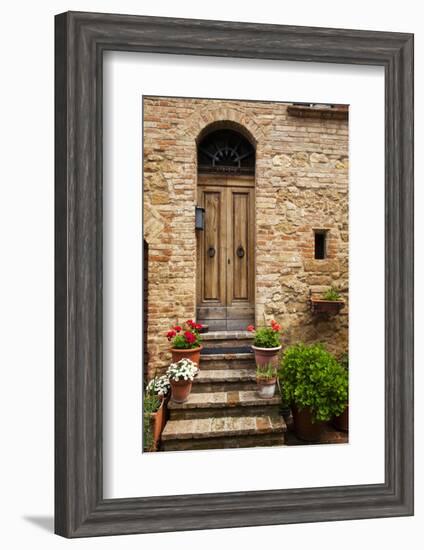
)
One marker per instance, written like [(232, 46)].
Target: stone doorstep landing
[(204, 428), (225, 399)]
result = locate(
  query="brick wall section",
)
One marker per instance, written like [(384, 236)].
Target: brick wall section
[(301, 185)]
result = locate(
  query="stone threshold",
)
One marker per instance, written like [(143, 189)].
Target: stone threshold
[(215, 400), (203, 428)]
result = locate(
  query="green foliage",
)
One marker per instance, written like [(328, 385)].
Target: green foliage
[(148, 439), (332, 295), (267, 337), (267, 371), (311, 377), (185, 336), (180, 342), (151, 404), (344, 360)]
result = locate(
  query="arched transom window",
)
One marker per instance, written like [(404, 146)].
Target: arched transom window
[(226, 150)]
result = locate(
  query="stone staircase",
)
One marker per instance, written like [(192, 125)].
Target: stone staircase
[(224, 409)]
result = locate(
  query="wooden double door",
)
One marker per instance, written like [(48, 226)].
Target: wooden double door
[(225, 253)]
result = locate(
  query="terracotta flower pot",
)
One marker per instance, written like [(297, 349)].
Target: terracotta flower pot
[(341, 422), (192, 354), (266, 387), (266, 356), (180, 390), (158, 423), (305, 428)]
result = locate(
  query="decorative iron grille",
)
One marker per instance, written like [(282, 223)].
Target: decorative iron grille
[(226, 151)]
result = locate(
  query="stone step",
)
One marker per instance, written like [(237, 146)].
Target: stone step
[(227, 361), (227, 338), (221, 380), (223, 433), (224, 403)]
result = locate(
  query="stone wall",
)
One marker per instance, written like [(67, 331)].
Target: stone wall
[(301, 185)]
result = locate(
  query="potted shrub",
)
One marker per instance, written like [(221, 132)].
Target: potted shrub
[(152, 403), (315, 385), (266, 344), (341, 421), (158, 386), (266, 378), (181, 375), (185, 341), (330, 302)]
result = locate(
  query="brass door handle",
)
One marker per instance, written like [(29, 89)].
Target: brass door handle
[(240, 252), (211, 252)]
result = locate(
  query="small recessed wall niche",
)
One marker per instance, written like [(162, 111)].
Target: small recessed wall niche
[(320, 237)]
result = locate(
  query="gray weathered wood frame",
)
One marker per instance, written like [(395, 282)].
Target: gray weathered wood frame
[(81, 39)]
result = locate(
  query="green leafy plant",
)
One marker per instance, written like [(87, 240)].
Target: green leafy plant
[(332, 295), (267, 337), (266, 372), (186, 336), (151, 404), (344, 360), (312, 377)]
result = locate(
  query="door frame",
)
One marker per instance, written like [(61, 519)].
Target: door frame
[(217, 182)]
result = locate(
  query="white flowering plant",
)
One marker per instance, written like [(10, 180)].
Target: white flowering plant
[(184, 369), (159, 385)]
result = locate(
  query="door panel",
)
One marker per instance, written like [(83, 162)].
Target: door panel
[(239, 246), (225, 273), (213, 213), (211, 252)]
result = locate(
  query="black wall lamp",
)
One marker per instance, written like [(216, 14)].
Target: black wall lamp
[(200, 218)]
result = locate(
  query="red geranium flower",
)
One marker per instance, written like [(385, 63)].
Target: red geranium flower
[(276, 327), (198, 326), (177, 328), (170, 334), (250, 328), (190, 323), (190, 337)]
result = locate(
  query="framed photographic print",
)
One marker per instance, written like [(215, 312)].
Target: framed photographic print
[(234, 274)]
